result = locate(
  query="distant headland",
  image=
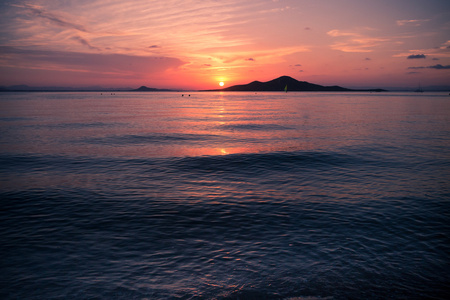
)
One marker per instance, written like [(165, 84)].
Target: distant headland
[(289, 84)]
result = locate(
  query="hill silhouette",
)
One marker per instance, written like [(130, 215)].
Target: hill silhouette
[(292, 84), (147, 89)]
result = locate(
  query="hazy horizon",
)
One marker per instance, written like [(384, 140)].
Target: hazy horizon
[(125, 88)]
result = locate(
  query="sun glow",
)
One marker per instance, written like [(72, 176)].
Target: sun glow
[(221, 83)]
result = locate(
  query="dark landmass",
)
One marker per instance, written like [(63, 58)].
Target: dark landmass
[(275, 85), (147, 89), (26, 88), (292, 84)]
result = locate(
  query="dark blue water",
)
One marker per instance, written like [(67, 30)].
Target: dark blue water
[(224, 196)]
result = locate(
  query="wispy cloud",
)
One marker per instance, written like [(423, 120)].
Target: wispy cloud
[(267, 56), (188, 26), (275, 10), (56, 19), (355, 42), (85, 42), (442, 50), (336, 33), (414, 23)]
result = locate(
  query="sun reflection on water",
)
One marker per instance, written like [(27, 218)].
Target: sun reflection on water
[(169, 125)]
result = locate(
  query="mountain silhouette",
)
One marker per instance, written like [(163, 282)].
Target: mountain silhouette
[(293, 85)]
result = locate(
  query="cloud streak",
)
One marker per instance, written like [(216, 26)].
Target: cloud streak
[(85, 42), (436, 67), (86, 62), (53, 18), (414, 23), (417, 56), (355, 42), (442, 50)]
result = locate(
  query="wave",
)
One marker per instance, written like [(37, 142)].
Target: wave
[(14, 119), (12, 164), (84, 125), (230, 162), (158, 138), (268, 127), (274, 161)]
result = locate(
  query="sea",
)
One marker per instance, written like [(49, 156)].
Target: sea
[(224, 195)]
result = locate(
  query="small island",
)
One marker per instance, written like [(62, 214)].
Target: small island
[(147, 89)]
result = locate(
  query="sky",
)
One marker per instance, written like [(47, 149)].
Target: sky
[(195, 44)]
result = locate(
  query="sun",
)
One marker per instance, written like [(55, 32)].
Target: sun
[(221, 83)]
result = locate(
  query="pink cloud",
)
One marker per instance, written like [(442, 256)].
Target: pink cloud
[(53, 18), (411, 22), (113, 65), (355, 42)]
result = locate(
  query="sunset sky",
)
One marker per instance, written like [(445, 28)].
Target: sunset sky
[(193, 44)]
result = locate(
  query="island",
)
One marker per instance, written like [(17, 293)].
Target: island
[(147, 89), (287, 83)]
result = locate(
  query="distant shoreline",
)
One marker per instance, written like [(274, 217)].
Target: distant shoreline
[(281, 84), (106, 92)]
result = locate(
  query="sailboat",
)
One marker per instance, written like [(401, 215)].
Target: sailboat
[(419, 90)]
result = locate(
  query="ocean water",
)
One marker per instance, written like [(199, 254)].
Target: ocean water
[(224, 195)]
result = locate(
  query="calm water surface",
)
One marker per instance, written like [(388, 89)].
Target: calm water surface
[(225, 196)]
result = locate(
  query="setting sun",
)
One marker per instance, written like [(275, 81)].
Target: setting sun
[(221, 83)]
